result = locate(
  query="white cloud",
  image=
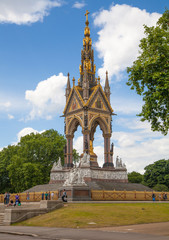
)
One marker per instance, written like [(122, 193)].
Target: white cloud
[(5, 105), (79, 5), (140, 147), (27, 131), (119, 37), (10, 116), (125, 105), (25, 11), (48, 97)]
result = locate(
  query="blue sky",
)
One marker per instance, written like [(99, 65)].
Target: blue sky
[(41, 41)]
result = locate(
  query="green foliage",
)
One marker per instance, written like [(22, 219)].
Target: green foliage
[(149, 75), (157, 173), (76, 157), (160, 188), (30, 161), (135, 177)]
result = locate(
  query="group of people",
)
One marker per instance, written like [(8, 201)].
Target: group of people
[(48, 196), (164, 196), (9, 202)]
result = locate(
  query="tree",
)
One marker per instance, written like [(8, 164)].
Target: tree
[(157, 173), (135, 177), (149, 75), (30, 161), (76, 157), (161, 188)]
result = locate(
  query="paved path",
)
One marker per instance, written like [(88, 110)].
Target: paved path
[(156, 231)]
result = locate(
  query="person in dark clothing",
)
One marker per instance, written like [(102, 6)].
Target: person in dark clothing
[(64, 195), (46, 196), (43, 196), (153, 197)]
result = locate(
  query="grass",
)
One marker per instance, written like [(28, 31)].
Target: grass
[(92, 215)]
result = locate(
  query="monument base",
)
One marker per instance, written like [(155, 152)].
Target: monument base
[(108, 165), (76, 193), (68, 165)]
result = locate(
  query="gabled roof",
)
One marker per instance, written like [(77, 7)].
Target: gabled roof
[(95, 90), (75, 89)]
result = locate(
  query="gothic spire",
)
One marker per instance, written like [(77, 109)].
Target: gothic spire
[(68, 87), (107, 87), (87, 66)]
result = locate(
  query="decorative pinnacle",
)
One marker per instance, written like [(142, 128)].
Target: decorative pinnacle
[(98, 80), (73, 80)]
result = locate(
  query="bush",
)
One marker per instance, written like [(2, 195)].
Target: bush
[(160, 188)]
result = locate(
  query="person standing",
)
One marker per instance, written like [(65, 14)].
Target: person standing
[(46, 196), (153, 197), (49, 195), (43, 196), (159, 197), (27, 196), (5, 198), (52, 195), (16, 199)]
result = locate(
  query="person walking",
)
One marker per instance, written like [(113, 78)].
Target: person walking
[(64, 195)]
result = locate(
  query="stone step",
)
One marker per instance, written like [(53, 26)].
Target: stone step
[(1, 219)]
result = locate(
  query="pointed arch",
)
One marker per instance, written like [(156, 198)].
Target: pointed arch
[(73, 124), (98, 121)]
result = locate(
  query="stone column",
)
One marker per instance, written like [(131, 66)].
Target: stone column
[(86, 142), (69, 159), (107, 158)]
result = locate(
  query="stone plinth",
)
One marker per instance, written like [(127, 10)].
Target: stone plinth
[(76, 193), (92, 174)]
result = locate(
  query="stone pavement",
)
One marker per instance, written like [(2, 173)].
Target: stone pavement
[(156, 231)]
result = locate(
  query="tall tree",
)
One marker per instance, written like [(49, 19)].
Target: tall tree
[(149, 75), (135, 177), (157, 173), (30, 161)]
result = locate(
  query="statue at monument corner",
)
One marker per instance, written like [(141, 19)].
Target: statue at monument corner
[(57, 166), (119, 163), (85, 160)]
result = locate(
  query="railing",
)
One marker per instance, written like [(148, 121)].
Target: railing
[(101, 195), (97, 195), (33, 196)]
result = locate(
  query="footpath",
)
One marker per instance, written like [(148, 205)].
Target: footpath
[(155, 231)]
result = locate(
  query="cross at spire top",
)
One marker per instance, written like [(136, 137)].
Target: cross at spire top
[(86, 14)]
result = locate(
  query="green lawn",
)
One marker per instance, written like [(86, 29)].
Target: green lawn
[(81, 215)]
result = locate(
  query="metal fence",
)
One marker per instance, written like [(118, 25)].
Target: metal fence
[(32, 196), (101, 195)]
